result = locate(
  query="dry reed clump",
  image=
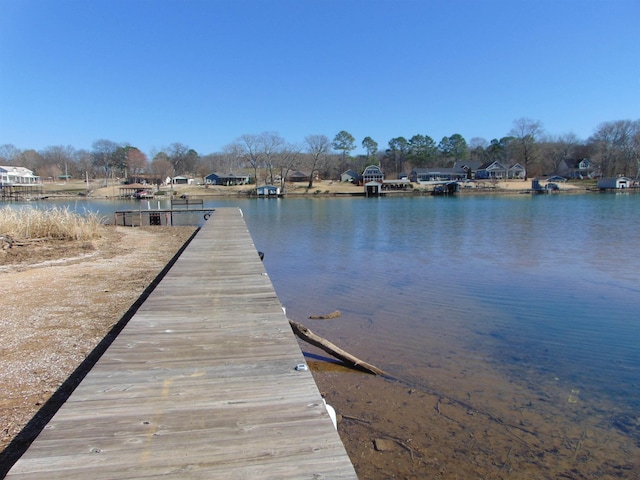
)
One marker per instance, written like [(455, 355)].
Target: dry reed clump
[(53, 223)]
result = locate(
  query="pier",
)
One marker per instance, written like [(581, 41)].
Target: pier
[(200, 383)]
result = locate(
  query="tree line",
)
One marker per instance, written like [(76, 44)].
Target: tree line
[(614, 147)]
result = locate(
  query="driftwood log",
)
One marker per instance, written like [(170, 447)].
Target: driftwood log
[(308, 336), (334, 314)]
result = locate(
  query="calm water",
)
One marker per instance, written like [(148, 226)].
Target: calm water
[(541, 289)]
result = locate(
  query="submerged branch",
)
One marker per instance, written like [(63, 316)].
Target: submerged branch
[(308, 336)]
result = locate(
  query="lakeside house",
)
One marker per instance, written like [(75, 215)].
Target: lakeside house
[(437, 174), (226, 180), (372, 173), (18, 183), (462, 170), (11, 176), (349, 176), (577, 168)]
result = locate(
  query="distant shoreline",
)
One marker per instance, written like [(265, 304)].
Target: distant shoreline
[(328, 189)]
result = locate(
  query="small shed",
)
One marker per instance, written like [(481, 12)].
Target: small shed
[(614, 183), (268, 191), (180, 180)]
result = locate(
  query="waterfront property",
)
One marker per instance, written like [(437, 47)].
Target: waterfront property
[(200, 383), (18, 182), (580, 168), (349, 176), (496, 170), (226, 180)]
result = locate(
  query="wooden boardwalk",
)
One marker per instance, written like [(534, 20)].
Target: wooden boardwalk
[(201, 383)]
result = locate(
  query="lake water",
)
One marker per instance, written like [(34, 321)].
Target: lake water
[(541, 291)]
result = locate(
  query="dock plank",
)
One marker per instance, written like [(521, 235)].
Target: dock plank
[(199, 384)]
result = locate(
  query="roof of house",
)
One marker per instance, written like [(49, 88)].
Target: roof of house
[(18, 170), (226, 175), (486, 165)]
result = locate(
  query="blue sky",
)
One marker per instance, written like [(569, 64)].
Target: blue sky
[(202, 73)]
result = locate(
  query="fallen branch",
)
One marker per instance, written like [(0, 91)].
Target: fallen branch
[(308, 336), (357, 419), (334, 314)]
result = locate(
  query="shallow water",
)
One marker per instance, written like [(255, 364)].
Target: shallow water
[(544, 291)]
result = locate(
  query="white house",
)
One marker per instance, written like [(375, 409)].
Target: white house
[(17, 176)]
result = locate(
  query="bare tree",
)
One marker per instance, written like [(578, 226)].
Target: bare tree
[(555, 150), (136, 161), (182, 158), (103, 153), (288, 160), (272, 145), (160, 167), (8, 153), (82, 164), (525, 133), (616, 146), (249, 149), (317, 147), (57, 160)]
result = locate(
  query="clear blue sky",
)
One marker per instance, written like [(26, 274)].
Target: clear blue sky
[(204, 72)]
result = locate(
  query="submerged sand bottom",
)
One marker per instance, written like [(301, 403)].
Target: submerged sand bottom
[(457, 420)]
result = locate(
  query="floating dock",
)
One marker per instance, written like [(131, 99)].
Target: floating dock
[(201, 383)]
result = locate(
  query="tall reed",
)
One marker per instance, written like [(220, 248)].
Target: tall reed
[(53, 223)]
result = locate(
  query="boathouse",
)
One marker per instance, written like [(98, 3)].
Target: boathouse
[(613, 183), (137, 190), (268, 191)]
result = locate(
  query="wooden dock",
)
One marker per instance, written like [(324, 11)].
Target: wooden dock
[(201, 383)]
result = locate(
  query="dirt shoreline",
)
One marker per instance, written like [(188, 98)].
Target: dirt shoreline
[(61, 299)]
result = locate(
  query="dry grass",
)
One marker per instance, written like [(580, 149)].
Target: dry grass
[(52, 223)]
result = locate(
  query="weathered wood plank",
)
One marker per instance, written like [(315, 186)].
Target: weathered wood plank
[(199, 384)]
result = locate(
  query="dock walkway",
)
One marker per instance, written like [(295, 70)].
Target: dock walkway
[(201, 383)]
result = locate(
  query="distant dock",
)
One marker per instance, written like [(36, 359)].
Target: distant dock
[(201, 383)]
